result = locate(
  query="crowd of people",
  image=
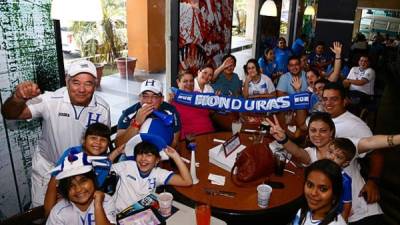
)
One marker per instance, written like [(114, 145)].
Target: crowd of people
[(75, 138)]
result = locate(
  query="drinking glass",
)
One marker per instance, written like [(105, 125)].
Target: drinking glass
[(203, 214)]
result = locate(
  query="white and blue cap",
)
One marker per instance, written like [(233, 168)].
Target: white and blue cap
[(157, 141), (152, 85), (77, 163), (82, 66)]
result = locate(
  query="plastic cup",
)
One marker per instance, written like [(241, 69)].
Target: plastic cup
[(203, 214), (236, 127), (264, 193), (165, 202), (280, 163)]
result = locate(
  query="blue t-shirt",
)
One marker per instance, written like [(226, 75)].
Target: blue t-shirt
[(268, 68), (232, 87), (101, 172), (282, 58), (298, 47), (346, 195), (285, 80), (315, 59)]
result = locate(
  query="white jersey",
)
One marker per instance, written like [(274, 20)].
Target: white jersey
[(310, 221), (66, 213), (207, 87), (357, 74), (264, 86), (132, 186), (63, 123)]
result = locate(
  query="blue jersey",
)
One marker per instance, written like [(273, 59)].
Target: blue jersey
[(346, 195), (298, 47), (268, 68), (282, 58)]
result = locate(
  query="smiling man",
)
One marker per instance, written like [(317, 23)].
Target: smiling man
[(66, 113), (365, 194), (134, 119)]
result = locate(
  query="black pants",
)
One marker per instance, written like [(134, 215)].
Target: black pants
[(359, 101), (370, 220)]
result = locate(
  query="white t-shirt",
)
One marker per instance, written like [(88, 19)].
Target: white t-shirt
[(207, 87), (310, 221), (66, 213), (132, 186), (264, 86), (357, 74), (64, 124), (348, 125)]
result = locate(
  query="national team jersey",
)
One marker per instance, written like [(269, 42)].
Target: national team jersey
[(132, 186), (66, 213), (264, 86), (310, 221), (346, 195), (63, 123), (357, 74)]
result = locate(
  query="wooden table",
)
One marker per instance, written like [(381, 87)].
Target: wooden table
[(243, 208)]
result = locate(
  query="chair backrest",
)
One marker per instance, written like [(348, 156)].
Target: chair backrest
[(27, 218)]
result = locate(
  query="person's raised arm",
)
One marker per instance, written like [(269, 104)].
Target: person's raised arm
[(123, 135), (279, 134), (15, 106), (226, 63), (117, 151), (99, 213), (245, 90), (337, 49), (183, 178), (377, 141), (50, 198)]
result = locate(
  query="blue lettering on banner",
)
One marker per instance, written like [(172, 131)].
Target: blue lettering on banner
[(91, 120), (237, 104)]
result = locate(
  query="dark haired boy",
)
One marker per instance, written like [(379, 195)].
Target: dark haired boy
[(141, 177)]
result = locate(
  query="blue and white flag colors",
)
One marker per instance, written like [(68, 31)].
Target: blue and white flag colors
[(159, 142), (236, 104), (78, 163)]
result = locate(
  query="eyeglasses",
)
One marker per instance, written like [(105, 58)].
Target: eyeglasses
[(150, 97)]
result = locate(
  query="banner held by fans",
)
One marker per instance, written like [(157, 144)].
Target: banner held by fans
[(236, 104)]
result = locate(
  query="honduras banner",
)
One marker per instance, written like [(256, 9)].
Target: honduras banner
[(238, 104)]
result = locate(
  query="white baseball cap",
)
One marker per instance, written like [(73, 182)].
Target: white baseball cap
[(82, 66), (77, 163), (151, 85)]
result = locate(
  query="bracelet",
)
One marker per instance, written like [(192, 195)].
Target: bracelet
[(284, 141), (338, 58), (135, 124), (390, 140)]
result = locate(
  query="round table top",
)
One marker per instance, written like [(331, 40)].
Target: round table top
[(245, 200)]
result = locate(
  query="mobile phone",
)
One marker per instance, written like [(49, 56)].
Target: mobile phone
[(276, 185)]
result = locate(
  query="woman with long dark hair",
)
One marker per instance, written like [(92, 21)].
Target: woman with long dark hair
[(322, 192)]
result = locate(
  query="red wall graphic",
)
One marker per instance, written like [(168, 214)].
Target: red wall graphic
[(204, 32)]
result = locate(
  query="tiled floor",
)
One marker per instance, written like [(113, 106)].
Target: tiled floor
[(122, 93)]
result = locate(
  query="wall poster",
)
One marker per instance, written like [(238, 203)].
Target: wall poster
[(27, 52), (204, 32)]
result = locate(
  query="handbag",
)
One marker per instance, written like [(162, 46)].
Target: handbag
[(254, 162)]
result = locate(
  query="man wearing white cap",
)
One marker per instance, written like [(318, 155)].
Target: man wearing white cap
[(66, 113), (135, 119)]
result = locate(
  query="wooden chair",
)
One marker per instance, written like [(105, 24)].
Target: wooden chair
[(27, 217)]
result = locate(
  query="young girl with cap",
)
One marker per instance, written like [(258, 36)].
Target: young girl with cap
[(82, 203), (141, 176), (95, 143)]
